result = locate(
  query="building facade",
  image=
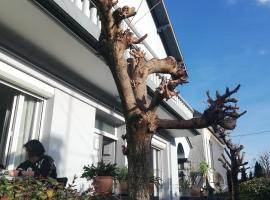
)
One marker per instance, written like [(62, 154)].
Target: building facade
[(207, 147)]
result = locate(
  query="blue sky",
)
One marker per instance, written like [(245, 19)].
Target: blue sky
[(226, 42)]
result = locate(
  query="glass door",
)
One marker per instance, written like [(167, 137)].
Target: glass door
[(7, 107), (22, 124), (27, 126)]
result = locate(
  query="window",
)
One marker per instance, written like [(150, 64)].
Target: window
[(106, 134), (20, 120), (102, 124), (211, 154), (108, 150), (157, 168)]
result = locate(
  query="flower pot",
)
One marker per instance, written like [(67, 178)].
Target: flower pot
[(123, 187), (103, 185), (185, 192), (195, 192)]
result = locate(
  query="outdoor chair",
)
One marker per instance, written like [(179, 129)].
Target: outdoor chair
[(62, 180)]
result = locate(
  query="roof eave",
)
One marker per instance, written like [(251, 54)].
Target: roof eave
[(165, 29)]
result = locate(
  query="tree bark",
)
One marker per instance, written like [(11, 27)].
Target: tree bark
[(139, 164), (199, 122), (229, 180), (234, 187)]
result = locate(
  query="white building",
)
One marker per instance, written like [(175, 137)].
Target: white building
[(54, 86), (207, 147)]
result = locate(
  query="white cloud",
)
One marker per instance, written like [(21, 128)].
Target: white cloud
[(259, 2), (263, 2)]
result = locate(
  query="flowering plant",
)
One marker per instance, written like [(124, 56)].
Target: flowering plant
[(39, 189)]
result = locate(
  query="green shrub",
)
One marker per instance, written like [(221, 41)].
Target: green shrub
[(203, 168), (122, 173), (102, 169), (38, 189), (255, 189)]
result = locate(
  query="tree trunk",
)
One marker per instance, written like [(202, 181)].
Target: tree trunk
[(139, 165), (229, 180), (235, 186), (232, 197)]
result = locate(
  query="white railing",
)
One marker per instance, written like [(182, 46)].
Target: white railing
[(84, 12), (89, 9)]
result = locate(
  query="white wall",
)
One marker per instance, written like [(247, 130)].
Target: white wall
[(217, 150), (71, 135)]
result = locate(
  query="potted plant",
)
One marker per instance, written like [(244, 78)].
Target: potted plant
[(195, 190), (102, 176), (154, 181), (204, 167), (122, 177), (184, 186)]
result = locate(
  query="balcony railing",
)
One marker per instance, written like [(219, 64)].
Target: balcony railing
[(89, 9), (85, 13)]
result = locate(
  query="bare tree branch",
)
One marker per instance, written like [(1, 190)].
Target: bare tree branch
[(227, 152), (216, 114), (113, 42), (194, 123), (225, 159), (245, 163), (123, 13), (220, 112), (166, 90), (167, 66), (155, 101), (224, 164)]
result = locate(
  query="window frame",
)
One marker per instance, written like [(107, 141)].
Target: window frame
[(13, 131), (158, 145), (15, 75)]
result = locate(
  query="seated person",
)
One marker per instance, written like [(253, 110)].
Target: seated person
[(38, 164), (1, 166), (2, 170)]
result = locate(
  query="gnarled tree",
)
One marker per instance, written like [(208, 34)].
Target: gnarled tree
[(233, 162), (130, 77)]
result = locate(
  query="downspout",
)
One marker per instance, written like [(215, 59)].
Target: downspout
[(170, 173)]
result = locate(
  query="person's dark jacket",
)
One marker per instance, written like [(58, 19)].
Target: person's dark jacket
[(44, 167)]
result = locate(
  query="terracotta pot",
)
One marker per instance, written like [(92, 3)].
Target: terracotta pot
[(195, 192), (123, 187), (5, 198), (103, 185), (186, 192)]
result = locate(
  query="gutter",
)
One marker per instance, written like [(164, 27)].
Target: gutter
[(172, 31)]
